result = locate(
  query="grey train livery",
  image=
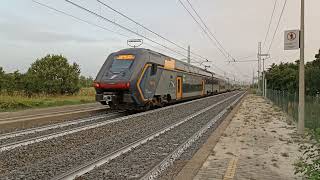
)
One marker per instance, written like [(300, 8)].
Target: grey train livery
[(139, 79)]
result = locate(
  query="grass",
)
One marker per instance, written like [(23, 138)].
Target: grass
[(19, 101)]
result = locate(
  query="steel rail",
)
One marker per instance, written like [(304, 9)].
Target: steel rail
[(13, 145), (87, 167), (169, 160), (55, 126), (49, 113)]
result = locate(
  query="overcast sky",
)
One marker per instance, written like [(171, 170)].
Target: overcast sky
[(29, 31)]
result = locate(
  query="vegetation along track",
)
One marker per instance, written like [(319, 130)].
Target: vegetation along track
[(56, 156)]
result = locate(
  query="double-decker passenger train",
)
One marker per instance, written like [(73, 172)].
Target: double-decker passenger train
[(139, 79)]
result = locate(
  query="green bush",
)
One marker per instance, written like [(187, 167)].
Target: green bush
[(309, 163), (52, 75)]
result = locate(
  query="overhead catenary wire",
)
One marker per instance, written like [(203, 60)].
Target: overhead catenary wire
[(88, 22), (77, 18), (222, 49), (270, 22), (123, 27), (148, 29), (215, 42), (210, 32), (204, 31), (276, 30), (96, 25), (116, 32)]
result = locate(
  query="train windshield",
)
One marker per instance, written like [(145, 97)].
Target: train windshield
[(121, 63)]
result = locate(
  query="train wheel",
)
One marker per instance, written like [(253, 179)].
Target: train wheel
[(103, 102), (148, 106)]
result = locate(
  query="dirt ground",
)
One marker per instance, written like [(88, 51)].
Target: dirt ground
[(259, 143)]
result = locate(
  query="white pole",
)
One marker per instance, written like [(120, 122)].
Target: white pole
[(301, 75), (263, 79), (265, 87), (259, 59), (189, 60)]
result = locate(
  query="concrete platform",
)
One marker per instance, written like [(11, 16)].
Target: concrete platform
[(259, 143)]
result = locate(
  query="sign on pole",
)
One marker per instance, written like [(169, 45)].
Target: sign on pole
[(135, 42), (291, 39)]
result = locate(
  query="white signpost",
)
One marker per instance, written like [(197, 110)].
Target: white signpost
[(291, 39), (294, 39)]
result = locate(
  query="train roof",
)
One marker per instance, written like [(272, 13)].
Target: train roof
[(182, 65)]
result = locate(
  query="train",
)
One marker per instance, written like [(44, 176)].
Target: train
[(142, 79)]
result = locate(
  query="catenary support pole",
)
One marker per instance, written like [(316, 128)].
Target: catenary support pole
[(259, 59), (263, 79), (189, 60), (301, 74)]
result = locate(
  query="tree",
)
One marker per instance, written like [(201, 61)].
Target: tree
[(2, 76), (313, 76), (317, 56), (52, 74), (86, 82), (285, 76)]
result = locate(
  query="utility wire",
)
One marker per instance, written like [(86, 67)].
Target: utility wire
[(101, 27), (123, 27), (274, 8), (207, 28), (148, 29), (216, 43), (206, 33), (275, 32), (108, 29), (210, 32), (77, 18), (88, 22), (242, 61)]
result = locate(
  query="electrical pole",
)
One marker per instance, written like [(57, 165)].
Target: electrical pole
[(263, 76), (264, 79), (265, 85), (259, 59), (253, 78), (301, 74), (189, 60)]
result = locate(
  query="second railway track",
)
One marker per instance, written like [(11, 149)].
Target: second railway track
[(15, 139), (59, 156)]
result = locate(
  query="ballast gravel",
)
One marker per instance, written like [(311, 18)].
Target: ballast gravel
[(41, 133), (136, 163), (47, 159)]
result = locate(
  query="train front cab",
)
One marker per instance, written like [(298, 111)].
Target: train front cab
[(114, 83)]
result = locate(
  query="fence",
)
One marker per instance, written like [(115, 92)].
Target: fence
[(288, 102)]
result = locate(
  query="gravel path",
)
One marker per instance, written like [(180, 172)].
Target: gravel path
[(262, 138), (47, 159), (134, 164)]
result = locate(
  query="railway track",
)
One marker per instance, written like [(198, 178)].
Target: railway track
[(169, 160), (59, 112), (107, 144), (80, 170), (161, 150), (10, 140)]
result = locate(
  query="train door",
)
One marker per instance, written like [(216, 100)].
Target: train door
[(203, 87), (179, 88)]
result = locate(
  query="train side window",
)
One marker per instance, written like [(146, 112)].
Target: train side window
[(153, 69)]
